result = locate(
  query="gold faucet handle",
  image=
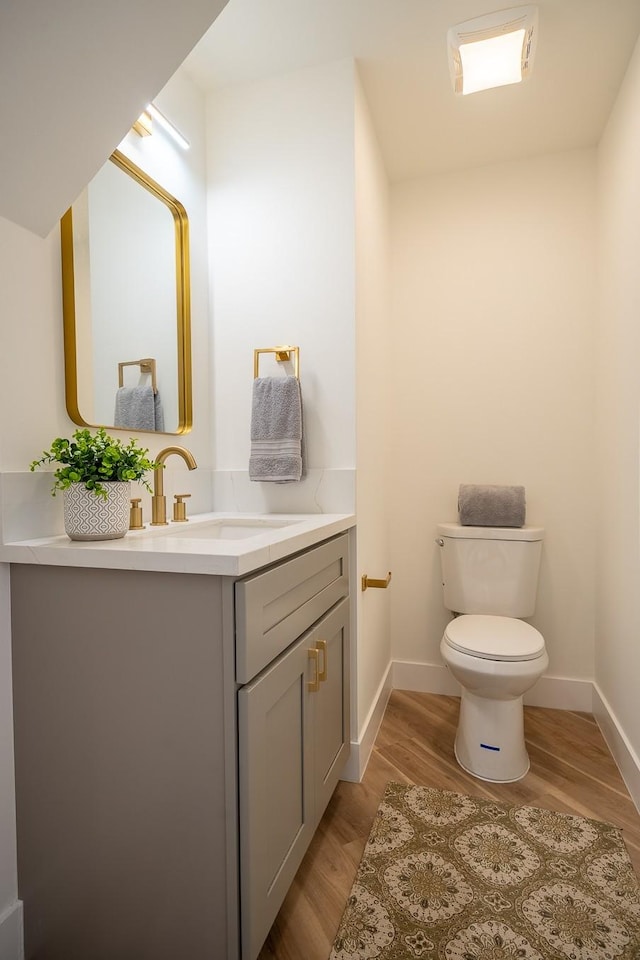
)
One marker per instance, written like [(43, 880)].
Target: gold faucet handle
[(180, 507), (135, 514)]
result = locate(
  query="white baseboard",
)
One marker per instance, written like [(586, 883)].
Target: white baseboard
[(424, 678), (11, 933), (561, 693), (361, 748), (622, 751)]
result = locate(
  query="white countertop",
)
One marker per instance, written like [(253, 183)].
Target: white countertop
[(170, 549)]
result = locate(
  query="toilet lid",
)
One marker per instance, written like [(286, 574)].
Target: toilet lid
[(494, 638)]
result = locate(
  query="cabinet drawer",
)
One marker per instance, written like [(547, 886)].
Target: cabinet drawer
[(274, 608)]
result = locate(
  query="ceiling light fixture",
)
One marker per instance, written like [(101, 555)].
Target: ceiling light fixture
[(494, 50), (144, 125)]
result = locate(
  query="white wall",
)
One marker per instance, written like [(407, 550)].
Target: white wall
[(494, 286), (618, 423), (281, 211), (373, 336), (80, 74), (299, 224), (32, 413)]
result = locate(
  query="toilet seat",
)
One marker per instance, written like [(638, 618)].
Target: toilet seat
[(494, 638)]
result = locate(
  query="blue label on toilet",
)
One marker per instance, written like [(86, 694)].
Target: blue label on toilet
[(487, 746)]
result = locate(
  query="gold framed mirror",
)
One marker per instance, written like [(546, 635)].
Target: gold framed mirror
[(126, 304)]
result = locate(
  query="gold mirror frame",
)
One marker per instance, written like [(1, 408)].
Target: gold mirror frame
[(183, 303)]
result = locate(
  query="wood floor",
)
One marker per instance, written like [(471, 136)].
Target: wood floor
[(571, 771)]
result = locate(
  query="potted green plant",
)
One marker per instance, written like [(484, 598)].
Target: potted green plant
[(95, 476)]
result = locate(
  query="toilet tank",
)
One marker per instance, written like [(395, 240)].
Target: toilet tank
[(490, 570)]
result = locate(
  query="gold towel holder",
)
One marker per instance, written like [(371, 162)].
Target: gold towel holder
[(370, 582), (283, 354), (147, 365)]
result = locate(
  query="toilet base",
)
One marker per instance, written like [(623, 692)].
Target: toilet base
[(490, 738)]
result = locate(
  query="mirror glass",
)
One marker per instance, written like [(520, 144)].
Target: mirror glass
[(125, 273)]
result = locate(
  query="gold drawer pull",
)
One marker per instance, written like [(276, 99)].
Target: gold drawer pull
[(321, 645), (369, 582), (313, 685)]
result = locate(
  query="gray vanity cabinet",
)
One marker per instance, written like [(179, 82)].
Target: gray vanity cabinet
[(172, 762), (122, 779), (293, 725)]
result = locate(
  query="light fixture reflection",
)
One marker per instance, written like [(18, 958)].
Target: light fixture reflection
[(167, 126), (144, 125)]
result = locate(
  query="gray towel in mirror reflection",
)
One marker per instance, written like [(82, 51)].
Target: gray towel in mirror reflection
[(276, 430), (138, 408)]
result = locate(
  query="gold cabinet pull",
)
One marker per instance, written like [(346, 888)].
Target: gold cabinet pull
[(369, 582), (313, 685), (321, 646)]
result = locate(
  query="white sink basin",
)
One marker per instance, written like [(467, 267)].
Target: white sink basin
[(227, 528)]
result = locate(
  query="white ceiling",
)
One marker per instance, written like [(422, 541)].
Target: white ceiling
[(583, 49), (73, 76)]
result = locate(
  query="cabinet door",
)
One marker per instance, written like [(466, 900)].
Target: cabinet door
[(330, 705), (276, 793)]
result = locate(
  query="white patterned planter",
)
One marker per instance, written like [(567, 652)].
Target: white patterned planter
[(88, 517)]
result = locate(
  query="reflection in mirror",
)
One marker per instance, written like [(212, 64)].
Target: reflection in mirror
[(126, 305)]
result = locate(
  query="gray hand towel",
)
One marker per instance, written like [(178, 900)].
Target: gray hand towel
[(138, 408), (158, 412), (491, 506), (276, 430)]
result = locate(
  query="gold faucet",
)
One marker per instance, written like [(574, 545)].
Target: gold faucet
[(158, 500)]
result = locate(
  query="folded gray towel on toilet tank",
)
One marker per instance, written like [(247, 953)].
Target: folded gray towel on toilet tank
[(487, 505), (276, 430)]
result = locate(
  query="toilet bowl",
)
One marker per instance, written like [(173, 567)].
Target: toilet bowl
[(496, 659)]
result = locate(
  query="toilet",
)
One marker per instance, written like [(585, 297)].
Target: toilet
[(490, 580)]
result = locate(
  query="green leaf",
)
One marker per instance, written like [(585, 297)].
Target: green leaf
[(94, 459)]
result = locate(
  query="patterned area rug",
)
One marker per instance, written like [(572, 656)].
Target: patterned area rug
[(459, 878)]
